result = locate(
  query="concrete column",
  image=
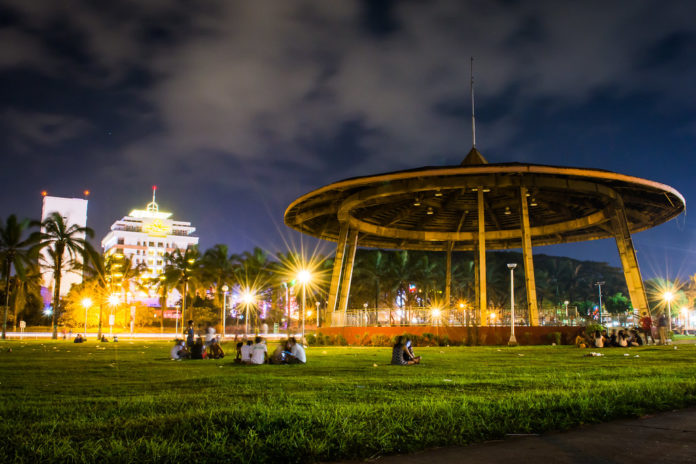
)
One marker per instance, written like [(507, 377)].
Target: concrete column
[(448, 276), (629, 262), (530, 283), (337, 267), (481, 243), (352, 245)]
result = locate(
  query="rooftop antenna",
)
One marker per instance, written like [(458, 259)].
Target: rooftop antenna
[(473, 118), (152, 207)]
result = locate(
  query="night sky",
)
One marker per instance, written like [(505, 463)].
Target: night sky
[(233, 109)]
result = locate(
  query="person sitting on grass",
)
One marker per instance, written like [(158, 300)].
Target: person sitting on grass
[(598, 339), (635, 339), (296, 353), (581, 339), (245, 352), (277, 356), (238, 356), (198, 350), (613, 339), (259, 351), (179, 351), (215, 350), (622, 339), (402, 355), (78, 339), (104, 339)]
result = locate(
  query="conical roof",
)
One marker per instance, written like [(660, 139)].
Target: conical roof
[(474, 157)]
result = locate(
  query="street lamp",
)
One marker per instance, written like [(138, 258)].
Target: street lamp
[(566, 308), (513, 340), (223, 316), (248, 299), (304, 276), (318, 304), (86, 303), (114, 300), (668, 297)]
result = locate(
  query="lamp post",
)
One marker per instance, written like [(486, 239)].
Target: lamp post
[(86, 303), (668, 297), (287, 305), (223, 316), (566, 309), (318, 305), (114, 300), (248, 298), (599, 289), (513, 340), (304, 277)]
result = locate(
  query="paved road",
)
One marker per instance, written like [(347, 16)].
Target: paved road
[(657, 439)]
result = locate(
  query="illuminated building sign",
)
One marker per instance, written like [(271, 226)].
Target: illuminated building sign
[(157, 227)]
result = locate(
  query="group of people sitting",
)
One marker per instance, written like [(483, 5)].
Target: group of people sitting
[(402, 353), (619, 339), (195, 348), (256, 352)]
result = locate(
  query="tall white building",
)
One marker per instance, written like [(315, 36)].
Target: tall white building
[(145, 235), (74, 212)]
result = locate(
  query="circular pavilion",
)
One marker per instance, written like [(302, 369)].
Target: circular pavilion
[(479, 206)]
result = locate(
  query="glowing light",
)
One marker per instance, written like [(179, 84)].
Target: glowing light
[(248, 297), (48, 311), (114, 299), (436, 312), (86, 303), (461, 305), (492, 316), (44, 193), (684, 310), (304, 276), (668, 296), (157, 228), (86, 193)]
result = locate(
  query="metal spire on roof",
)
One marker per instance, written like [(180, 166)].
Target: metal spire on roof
[(473, 118)]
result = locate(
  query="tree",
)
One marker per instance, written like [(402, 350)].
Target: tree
[(25, 290), (14, 252), (183, 268), (63, 240), (219, 267), (617, 303), (104, 273)]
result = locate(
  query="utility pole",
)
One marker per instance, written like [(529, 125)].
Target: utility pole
[(599, 287)]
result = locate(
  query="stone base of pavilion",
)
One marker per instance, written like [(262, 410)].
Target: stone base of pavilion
[(482, 335)]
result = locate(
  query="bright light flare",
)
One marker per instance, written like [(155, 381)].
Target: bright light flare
[(436, 312), (668, 296), (248, 297), (304, 276), (114, 299), (86, 303)]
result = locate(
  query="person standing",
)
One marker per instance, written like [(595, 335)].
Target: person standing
[(646, 327), (662, 328), (189, 334), (259, 351)]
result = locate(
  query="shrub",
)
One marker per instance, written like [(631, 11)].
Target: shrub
[(591, 328), (311, 339), (554, 337), (379, 340)]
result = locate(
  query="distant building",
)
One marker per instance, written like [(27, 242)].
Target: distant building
[(74, 212), (146, 235)]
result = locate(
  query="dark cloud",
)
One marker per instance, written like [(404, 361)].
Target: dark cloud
[(228, 103)]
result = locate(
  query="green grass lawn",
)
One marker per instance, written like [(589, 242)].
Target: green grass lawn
[(127, 402)]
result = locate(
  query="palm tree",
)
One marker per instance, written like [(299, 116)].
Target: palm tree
[(25, 289), (63, 241), (14, 252), (183, 268), (219, 268), (105, 273)]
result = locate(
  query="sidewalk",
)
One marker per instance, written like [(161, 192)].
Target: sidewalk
[(661, 438)]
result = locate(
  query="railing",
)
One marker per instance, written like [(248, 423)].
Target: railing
[(419, 316)]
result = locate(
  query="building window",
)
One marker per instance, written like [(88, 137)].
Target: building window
[(119, 241), (152, 244)]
